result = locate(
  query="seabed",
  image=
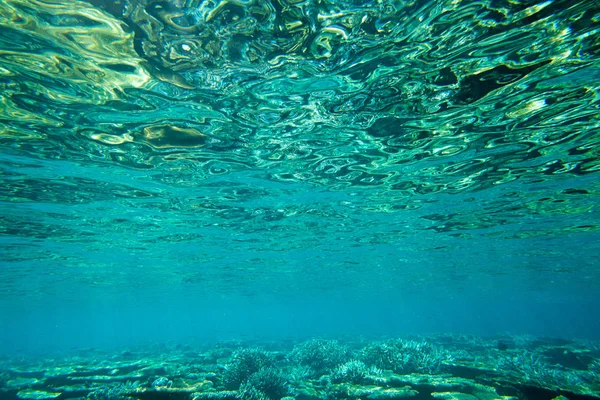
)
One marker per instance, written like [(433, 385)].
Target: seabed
[(447, 367)]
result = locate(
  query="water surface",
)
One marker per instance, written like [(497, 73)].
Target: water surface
[(194, 170)]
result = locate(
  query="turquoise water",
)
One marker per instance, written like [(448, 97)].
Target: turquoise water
[(196, 172)]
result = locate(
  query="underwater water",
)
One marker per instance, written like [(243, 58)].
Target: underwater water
[(299, 198)]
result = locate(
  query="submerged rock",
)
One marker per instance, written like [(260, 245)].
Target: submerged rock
[(222, 395), (387, 393), (307, 393), (453, 396), (19, 382), (466, 396), (162, 382), (369, 392), (37, 394)]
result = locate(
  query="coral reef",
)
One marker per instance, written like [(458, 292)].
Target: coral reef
[(319, 354), (405, 356), (270, 381), (437, 367), (244, 363), (356, 372)]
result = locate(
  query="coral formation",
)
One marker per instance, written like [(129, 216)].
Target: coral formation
[(243, 364), (440, 367), (405, 356), (270, 381), (356, 372), (319, 354)]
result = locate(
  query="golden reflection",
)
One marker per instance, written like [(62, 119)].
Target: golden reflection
[(76, 52), (170, 136)]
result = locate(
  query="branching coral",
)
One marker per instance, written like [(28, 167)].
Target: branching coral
[(320, 355), (244, 363), (356, 372), (405, 356)]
